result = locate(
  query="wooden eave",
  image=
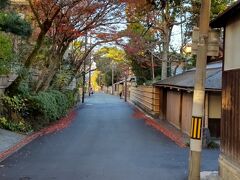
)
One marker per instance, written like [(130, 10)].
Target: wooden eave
[(228, 14), (187, 89)]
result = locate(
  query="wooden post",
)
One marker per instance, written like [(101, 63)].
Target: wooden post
[(125, 88), (180, 110), (206, 110)]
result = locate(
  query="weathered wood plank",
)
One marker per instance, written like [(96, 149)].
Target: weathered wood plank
[(146, 96), (230, 125)]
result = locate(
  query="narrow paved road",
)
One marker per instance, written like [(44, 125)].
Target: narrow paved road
[(105, 142)]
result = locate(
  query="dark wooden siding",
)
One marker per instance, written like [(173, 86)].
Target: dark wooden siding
[(230, 123)]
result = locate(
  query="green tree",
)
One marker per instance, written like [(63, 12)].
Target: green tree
[(3, 3), (6, 53), (13, 23), (193, 11), (137, 51), (108, 60)]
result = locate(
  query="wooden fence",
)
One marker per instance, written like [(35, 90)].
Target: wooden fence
[(146, 97)]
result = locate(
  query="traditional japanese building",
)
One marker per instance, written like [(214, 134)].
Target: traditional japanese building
[(176, 99), (229, 160)]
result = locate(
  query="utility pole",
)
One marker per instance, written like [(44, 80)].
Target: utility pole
[(90, 66), (112, 78), (199, 94), (89, 79), (84, 69), (125, 87)]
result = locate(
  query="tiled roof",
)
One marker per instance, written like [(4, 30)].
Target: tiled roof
[(186, 80)]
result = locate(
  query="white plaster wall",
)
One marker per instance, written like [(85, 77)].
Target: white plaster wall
[(232, 45)]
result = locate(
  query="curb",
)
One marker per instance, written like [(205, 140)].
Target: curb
[(56, 126), (139, 114), (209, 175)]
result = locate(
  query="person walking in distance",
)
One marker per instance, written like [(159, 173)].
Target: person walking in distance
[(120, 95)]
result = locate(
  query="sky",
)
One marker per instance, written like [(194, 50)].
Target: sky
[(176, 37)]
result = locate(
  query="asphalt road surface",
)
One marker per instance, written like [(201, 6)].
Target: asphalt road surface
[(105, 142)]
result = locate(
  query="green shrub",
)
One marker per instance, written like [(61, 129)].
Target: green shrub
[(34, 111), (24, 89), (20, 126), (13, 110), (51, 104), (62, 78), (12, 22), (15, 103), (70, 97), (4, 3)]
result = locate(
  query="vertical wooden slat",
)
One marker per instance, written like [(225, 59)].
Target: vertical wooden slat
[(237, 105), (165, 103), (234, 118), (222, 140), (146, 97), (222, 115), (230, 125), (180, 110), (228, 120), (161, 104), (187, 112), (173, 104)]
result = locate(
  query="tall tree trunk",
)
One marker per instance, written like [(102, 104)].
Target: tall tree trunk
[(45, 82), (44, 71), (40, 80), (49, 79), (45, 26), (165, 51), (37, 47), (14, 86), (53, 68)]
